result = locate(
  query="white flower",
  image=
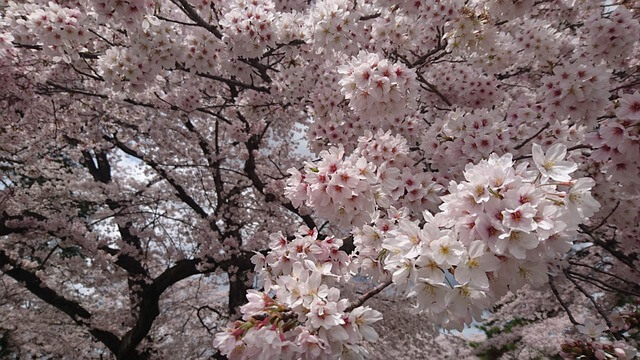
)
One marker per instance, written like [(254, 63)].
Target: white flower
[(474, 267), (310, 345), (226, 342), (465, 299), (520, 218), (592, 329), (518, 242), (430, 295), (363, 317), (327, 313), (447, 251), (629, 107), (579, 202), (552, 164), (428, 268), (528, 272)]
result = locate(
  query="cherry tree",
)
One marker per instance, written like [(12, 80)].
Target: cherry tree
[(298, 179)]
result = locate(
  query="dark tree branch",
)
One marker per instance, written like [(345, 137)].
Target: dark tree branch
[(526, 141), (212, 159), (562, 303), (368, 295), (149, 306), (180, 191), (626, 259), (83, 54), (442, 44), (604, 221), (250, 169), (594, 302), (74, 310), (520, 71), (433, 89), (370, 17), (193, 15), (233, 83)]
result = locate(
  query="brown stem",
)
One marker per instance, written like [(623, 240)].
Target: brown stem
[(368, 295)]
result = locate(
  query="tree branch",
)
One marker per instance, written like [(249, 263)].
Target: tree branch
[(562, 303), (250, 169), (193, 15), (74, 310), (595, 304), (368, 295), (627, 260), (149, 306), (519, 146)]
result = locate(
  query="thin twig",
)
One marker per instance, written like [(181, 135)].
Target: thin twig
[(602, 272), (616, 253), (601, 284), (368, 295), (606, 217), (594, 302), (519, 146), (562, 303)]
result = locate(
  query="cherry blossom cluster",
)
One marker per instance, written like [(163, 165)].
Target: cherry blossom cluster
[(407, 27), (290, 27), (471, 32), (290, 5), (457, 139), (525, 118), (347, 130), (509, 9), (395, 30), (204, 51), (335, 124), (623, 198), (404, 183), (514, 211), (540, 42), (306, 319), (289, 85), (326, 98), (136, 66), (436, 12), (576, 90), (617, 143), (117, 62), (375, 87), (595, 347), (580, 349), (59, 29), (461, 150), (185, 98), (348, 191), (306, 245), (341, 190), (129, 13), (464, 86), (248, 27), (495, 231), (330, 25), (499, 56), (613, 37)]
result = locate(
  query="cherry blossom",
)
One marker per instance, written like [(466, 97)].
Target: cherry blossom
[(629, 107), (552, 164), (319, 179)]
